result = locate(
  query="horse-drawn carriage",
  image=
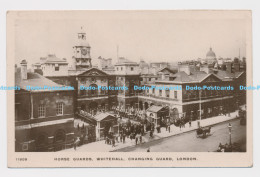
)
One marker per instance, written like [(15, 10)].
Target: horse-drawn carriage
[(202, 132)]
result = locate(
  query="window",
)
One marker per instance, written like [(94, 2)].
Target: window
[(57, 68), (132, 68), (167, 93), (160, 92), (121, 68), (150, 79), (175, 94), (153, 90), (103, 92), (59, 109), (41, 110), (117, 68), (82, 92)]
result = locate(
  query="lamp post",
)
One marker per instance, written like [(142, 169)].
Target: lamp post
[(229, 128)]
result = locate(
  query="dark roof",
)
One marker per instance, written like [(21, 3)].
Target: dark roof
[(168, 69), (33, 80), (225, 75), (238, 74), (181, 77), (195, 76)]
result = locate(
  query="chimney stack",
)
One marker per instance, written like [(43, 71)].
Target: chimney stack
[(23, 69), (15, 68), (185, 68), (229, 67)]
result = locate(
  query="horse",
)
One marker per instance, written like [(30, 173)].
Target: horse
[(203, 131)]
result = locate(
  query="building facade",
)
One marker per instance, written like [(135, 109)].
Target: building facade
[(43, 117)]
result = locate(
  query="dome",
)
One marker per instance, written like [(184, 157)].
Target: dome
[(210, 54)]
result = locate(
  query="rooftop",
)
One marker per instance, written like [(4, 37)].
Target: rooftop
[(33, 80)]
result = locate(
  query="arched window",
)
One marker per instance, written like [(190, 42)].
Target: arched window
[(94, 90)]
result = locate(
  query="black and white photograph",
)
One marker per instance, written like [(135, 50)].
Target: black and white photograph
[(131, 81), (130, 84)]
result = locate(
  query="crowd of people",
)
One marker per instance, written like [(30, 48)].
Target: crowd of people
[(132, 131)]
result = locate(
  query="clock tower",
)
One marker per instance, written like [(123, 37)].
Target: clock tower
[(81, 52)]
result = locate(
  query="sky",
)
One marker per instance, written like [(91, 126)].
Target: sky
[(152, 36)]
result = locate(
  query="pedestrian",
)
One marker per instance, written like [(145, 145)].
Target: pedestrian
[(180, 126), (113, 142), (183, 123), (190, 123), (76, 143), (121, 137), (169, 128), (124, 138), (105, 139), (157, 128), (151, 133), (117, 138), (198, 124), (136, 140), (75, 146)]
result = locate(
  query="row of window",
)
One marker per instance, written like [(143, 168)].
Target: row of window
[(148, 79), (42, 109), (117, 68), (167, 93)]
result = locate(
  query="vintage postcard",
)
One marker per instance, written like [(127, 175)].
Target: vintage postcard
[(129, 88)]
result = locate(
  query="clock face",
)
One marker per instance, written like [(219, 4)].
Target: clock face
[(84, 51)]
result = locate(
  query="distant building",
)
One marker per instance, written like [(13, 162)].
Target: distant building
[(159, 65), (127, 75), (186, 103), (53, 66), (104, 63)]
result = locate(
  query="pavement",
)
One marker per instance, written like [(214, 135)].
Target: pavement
[(100, 146)]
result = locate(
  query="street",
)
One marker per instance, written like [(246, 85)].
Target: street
[(188, 142)]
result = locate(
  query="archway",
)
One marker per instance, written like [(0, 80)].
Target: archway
[(94, 90)]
